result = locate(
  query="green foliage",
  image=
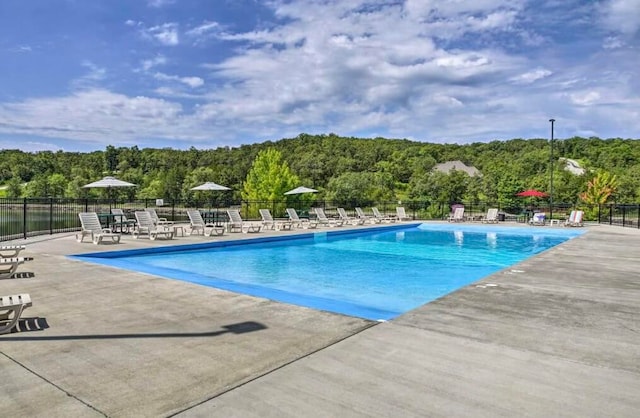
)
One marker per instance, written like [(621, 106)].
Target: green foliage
[(269, 177), (600, 188)]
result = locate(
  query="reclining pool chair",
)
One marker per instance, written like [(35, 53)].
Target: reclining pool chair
[(491, 216), (323, 220), (401, 214), (367, 218), (575, 218), (457, 215), (8, 266), (11, 308), (91, 226), (10, 251), (300, 223), (236, 224), (146, 226), (348, 219), (198, 224), (381, 217), (269, 223), (156, 220)]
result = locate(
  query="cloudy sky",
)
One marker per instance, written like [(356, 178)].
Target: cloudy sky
[(80, 74)]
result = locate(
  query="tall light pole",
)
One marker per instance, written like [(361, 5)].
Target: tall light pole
[(551, 174)]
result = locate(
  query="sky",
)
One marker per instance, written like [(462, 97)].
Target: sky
[(78, 75)]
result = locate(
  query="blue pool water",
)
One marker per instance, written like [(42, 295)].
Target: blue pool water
[(373, 275)]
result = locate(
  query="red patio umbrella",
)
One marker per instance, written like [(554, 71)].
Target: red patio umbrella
[(532, 193)]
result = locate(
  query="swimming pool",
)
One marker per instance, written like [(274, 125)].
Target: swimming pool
[(374, 274)]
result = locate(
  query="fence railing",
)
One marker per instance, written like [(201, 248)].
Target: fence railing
[(26, 217)]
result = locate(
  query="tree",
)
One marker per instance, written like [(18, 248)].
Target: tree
[(269, 177), (600, 188)]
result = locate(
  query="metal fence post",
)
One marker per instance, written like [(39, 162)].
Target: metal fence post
[(24, 218), (51, 216)]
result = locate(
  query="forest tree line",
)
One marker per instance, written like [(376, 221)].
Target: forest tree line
[(341, 168)]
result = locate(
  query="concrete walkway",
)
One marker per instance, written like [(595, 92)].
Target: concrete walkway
[(556, 335)]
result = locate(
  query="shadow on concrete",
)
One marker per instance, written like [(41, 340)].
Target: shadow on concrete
[(22, 275), (239, 328)]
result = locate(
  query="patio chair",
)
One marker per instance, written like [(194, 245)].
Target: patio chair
[(538, 219), (381, 217), (9, 251), (236, 224), (198, 224), (575, 218), (11, 308), (491, 216), (323, 220), (120, 220), (269, 223), (8, 266), (348, 219), (366, 218), (300, 223), (156, 220), (91, 226), (457, 215), (146, 226), (401, 215)]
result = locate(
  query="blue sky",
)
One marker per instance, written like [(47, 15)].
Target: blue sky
[(78, 75)]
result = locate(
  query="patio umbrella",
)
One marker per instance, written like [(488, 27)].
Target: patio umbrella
[(532, 193), (108, 183), (301, 190), (210, 186)]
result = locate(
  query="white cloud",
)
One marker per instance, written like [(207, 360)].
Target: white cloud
[(531, 76), (192, 82), (146, 65), (159, 3), (622, 16), (166, 34)]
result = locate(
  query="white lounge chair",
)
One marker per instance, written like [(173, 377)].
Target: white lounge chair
[(575, 218), (91, 226), (146, 226), (381, 217), (156, 219), (323, 220), (348, 219), (300, 223), (120, 220), (457, 215), (269, 223), (236, 224), (401, 215), (491, 216), (538, 219), (198, 225), (9, 251), (367, 218), (8, 266), (11, 308)]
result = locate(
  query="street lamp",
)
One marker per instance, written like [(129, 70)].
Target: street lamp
[(551, 174)]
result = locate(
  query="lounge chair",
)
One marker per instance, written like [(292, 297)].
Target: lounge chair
[(156, 219), (323, 220), (538, 219), (146, 226), (401, 215), (120, 220), (491, 216), (300, 223), (11, 308), (381, 217), (9, 251), (91, 226), (367, 218), (198, 224), (457, 215), (348, 219), (236, 224), (8, 266), (575, 218), (269, 223)]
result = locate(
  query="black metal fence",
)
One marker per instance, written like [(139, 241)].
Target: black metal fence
[(22, 218)]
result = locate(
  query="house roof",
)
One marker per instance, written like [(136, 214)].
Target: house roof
[(458, 165)]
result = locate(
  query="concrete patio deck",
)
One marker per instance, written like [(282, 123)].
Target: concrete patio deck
[(556, 335)]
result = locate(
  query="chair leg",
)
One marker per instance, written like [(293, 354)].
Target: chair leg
[(17, 312)]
